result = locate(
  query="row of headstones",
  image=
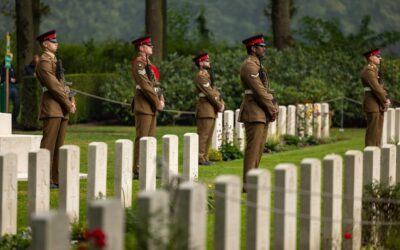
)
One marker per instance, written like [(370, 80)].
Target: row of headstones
[(301, 120), (342, 188), (391, 126), (69, 165)]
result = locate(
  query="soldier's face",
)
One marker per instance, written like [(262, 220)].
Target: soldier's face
[(375, 59), (147, 49), (260, 51), (50, 46), (206, 64)]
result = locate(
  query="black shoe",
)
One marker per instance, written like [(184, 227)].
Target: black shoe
[(205, 163), (54, 186), (135, 176)]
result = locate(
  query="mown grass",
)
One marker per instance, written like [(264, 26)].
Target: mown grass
[(82, 135)]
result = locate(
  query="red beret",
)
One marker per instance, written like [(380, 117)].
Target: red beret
[(47, 36), (373, 52), (201, 57), (254, 40), (142, 40)]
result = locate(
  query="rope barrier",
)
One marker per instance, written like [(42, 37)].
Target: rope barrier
[(127, 104)]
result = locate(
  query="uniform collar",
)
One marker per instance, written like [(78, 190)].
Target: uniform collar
[(51, 55)]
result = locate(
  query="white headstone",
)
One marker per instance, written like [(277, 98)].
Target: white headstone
[(38, 181), (97, 171), (332, 211), (291, 120), (5, 124), (384, 129), (153, 219), (300, 120), (282, 120), (191, 216), (148, 163), (325, 120), (398, 163), (272, 129), (108, 216), (388, 164), (239, 131), (390, 125), (372, 165), (286, 204), (191, 157), (258, 221), (8, 194), (227, 212), (229, 125), (308, 114), (352, 206), (397, 125), (310, 200), (50, 231), (170, 158), (123, 171), (217, 134), (317, 120), (68, 166)]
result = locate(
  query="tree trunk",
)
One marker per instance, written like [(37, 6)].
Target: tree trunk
[(36, 23), (25, 41), (156, 26), (281, 24)]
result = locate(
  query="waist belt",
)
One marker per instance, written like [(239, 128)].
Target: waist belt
[(366, 89), (202, 94), (155, 89), (248, 92)]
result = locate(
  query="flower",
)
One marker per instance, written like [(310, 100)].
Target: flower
[(347, 236), (97, 237)]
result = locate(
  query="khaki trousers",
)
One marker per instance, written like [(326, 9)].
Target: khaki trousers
[(145, 126), (373, 135), (53, 138), (205, 129), (256, 135)]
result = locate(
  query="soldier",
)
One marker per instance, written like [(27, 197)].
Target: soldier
[(208, 105), (375, 98), (56, 104), (258, 107), (148, 97)]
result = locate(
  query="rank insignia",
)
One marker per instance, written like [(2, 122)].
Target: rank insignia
[(142, 72)]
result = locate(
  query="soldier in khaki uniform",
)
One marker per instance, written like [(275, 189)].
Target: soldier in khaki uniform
[(375, 98), (55, 105), (208, 105), (258, 107), (148, 97)]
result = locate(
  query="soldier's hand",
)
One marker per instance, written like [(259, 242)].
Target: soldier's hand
[(161, 106), (388, 103), (222, 108), (73, 108)]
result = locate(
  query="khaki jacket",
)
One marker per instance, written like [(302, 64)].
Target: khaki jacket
[(55, 102), (210, 101), (258, 106), (375, 97), (145, 100)]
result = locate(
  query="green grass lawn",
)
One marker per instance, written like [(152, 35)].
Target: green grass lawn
[(82, 135)]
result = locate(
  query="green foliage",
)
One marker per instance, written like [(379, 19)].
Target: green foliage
[(229, 151), (290, 142), (18, 241), (214, 155), (380, 205), (291, 139), (273, 144)]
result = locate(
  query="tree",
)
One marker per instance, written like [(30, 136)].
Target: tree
[(39, 10), (156, 24), (280, 17), (25, 41)]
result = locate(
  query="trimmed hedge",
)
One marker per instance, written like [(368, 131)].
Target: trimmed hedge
[(88, 109)]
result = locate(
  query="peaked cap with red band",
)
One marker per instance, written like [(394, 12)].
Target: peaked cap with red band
[(48, 36), (142, 40), (201, 57), (254, 40), (374, 52)]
